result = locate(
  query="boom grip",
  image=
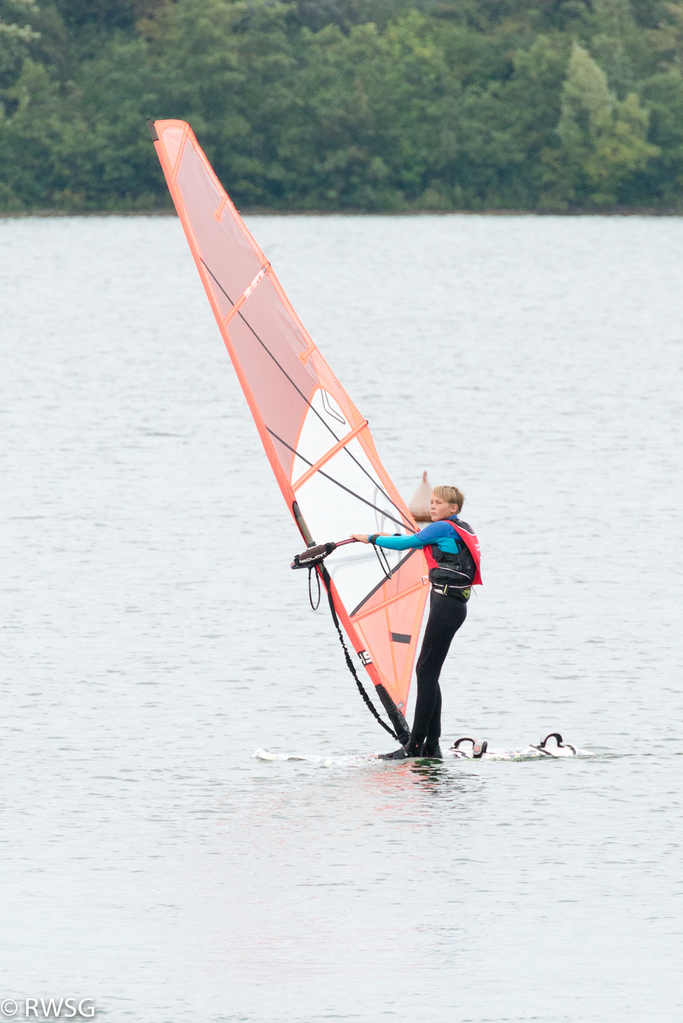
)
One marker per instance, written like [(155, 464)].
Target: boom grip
[(313, 556)]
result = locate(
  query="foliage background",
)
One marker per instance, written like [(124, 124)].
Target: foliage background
[(374, 105)]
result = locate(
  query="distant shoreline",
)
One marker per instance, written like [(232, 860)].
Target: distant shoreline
[(265, 211)]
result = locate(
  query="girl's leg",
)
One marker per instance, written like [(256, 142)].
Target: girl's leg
[(434, 729), (446, 615)]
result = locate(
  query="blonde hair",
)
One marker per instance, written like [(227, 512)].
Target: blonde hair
[(451, 495)]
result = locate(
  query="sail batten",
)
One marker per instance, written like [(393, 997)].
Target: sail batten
[(326, 476), (318, 444)]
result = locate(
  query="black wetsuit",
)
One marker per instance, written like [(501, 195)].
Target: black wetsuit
[(447, 612), (446, 615)]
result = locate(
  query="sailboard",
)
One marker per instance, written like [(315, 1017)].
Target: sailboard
[(479, 750), (318, 444)]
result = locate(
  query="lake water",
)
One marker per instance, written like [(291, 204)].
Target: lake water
[(154, 636)]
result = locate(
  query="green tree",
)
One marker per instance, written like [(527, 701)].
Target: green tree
[(41, 141), (602, 141), (102, 14), (665, 42), (226, 67), (72, 147), (619, 45), (369, 108), (505, 128), (316, 14), (346, 104), (661, 181), (16, 34)]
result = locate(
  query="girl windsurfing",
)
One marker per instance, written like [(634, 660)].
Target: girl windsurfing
[(453, 556)]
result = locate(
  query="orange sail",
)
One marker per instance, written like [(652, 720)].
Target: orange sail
[(318, 444)]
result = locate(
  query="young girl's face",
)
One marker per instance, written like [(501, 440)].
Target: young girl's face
[(439, 509)]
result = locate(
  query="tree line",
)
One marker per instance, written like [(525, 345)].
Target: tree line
[(369, 105)]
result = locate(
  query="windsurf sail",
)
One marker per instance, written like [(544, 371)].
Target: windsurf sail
[(317, 442)]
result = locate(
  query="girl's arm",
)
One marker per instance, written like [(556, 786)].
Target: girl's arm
[(428, 535), (399, 543)]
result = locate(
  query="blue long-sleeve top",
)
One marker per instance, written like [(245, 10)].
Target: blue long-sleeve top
[(440, 533)]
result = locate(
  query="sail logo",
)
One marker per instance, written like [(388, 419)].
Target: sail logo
[(365, 657)]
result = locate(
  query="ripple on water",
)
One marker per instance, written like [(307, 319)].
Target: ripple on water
[(154, 635)]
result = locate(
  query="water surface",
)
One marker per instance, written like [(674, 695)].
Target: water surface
[(154, 636)]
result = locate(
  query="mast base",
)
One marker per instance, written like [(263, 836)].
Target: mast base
[(395, 716)]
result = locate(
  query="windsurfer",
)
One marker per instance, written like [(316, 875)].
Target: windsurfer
[(318, 444), (452, 553)]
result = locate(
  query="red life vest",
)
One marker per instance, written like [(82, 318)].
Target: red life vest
[(472, 544)]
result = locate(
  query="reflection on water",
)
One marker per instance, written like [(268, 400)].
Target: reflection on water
[(154, 635)]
